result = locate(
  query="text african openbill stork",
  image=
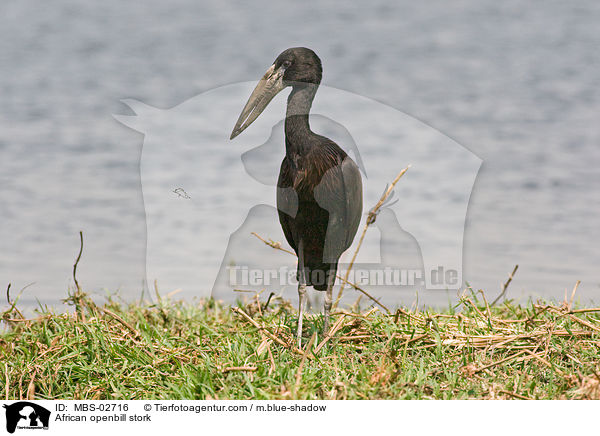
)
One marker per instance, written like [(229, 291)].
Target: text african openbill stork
[(319, 191)]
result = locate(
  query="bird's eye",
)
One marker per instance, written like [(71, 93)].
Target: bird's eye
[(286, 64)]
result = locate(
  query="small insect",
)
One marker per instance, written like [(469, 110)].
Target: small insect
[(181, 193)]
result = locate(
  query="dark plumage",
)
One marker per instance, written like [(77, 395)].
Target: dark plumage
[(319, 191)]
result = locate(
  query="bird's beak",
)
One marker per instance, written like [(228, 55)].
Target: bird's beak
[(268, 87)]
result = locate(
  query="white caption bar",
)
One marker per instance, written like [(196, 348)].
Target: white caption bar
[(287, 418)]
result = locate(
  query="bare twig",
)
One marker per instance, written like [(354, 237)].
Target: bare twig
[(13, 305), (370, 220), (505, 287), (78, 295), (77, 261), (268, 300), (358, 288), (276, 245), (372, 216), (8, 294)]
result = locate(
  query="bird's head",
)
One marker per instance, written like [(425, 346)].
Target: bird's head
[(296, 67)]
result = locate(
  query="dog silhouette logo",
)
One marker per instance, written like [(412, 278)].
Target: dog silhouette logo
[(26, 415), (200, 217)]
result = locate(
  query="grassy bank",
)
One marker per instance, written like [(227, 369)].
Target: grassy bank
[(174, 350)]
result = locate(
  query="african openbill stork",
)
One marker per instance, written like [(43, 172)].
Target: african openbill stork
[(319, 191)]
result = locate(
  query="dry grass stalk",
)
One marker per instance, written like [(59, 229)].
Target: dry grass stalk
[(7, 386), (239, 368), (573, 294), (515, 395), (583, 322), (301, 366), (266, 342), (31, 387), (589, 388), (591, 309), (332, 331), (113, 315), (505, 286), (267, 332), (506, 359)]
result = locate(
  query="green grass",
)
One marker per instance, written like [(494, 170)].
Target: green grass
[(204, 350)]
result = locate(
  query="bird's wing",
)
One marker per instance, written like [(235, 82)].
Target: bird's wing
[(340, 193), (287, 204)]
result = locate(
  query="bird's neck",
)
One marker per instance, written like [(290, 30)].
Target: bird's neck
[(297, 129)]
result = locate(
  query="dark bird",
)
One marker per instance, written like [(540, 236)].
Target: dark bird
[(319, 191)]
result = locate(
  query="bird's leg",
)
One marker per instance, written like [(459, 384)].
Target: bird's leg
[(328, 300), (302, 298), (301, 291)]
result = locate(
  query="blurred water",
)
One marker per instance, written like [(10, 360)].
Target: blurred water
[(516, 84)]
